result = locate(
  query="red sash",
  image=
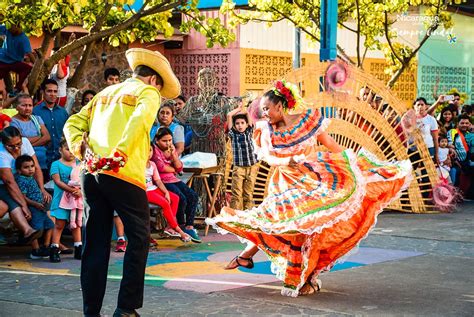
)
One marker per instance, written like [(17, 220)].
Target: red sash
[(463, 140)]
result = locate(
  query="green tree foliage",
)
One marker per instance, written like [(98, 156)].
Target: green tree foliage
[(372, 21), (111, 20)]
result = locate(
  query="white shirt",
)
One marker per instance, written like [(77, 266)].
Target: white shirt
[(443, 154), (149, 173), (7, 160), (427, 124), (62, 83)]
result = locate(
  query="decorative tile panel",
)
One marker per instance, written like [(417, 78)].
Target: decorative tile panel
[(449, 77), (259, 68), (187, 66), (404, 88), (263, 69)]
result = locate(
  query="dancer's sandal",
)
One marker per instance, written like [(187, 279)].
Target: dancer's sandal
[(235, 260), (311, 289)]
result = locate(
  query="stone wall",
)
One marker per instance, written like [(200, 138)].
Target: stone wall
[(93, 76)]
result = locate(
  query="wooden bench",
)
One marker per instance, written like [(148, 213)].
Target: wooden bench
[(156, 216)]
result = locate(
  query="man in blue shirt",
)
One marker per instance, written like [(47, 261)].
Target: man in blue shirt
[(15, 46), (54, 117)]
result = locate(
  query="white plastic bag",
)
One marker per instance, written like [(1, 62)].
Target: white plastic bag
[(199, 160)]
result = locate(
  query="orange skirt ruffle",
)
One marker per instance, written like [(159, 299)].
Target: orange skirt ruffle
[(317, 213)]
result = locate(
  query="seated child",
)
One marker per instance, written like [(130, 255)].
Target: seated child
[(61, 173), (72, 202), (25, 166), (168, 163), (158, 194), (245, 166)]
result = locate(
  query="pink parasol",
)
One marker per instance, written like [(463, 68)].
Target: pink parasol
[(254, 110), (445, 195), (336, 76)]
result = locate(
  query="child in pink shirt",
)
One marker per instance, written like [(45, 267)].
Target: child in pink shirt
[(158, 194), (168, 164)]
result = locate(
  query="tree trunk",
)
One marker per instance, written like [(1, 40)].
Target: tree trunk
[(406, 61), (359, 64), (36, 75), (74, 81), (95, 36), (396, 75), (57, 39)]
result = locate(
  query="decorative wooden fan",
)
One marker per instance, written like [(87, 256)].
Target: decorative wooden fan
[(364, 113)]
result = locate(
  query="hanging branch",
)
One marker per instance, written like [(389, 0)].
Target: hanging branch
[(406, 60), (74, 81)]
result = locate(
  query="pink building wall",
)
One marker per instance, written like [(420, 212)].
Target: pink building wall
[(195, 55)]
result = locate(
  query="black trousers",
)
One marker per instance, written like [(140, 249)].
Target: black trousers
[(102, 195)]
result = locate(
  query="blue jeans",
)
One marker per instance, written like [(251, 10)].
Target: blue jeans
[(188, 200), (454, 175), (40, 220)]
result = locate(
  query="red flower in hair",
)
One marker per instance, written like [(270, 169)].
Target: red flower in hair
[(286, 93), (291, 103), (279, 85)]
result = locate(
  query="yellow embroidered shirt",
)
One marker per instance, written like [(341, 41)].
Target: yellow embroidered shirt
[(119, 118)]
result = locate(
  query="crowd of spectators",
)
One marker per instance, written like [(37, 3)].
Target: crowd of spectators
[(36, 130), (446, 127), (454, 128)]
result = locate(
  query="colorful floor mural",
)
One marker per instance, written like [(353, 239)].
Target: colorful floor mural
[(193, 267)]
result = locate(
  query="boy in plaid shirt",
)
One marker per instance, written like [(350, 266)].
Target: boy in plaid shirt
[(245, 167)]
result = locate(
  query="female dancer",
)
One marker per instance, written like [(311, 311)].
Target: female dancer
[(319, 204)]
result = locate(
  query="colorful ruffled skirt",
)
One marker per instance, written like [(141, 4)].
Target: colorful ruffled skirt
[(316, 213)]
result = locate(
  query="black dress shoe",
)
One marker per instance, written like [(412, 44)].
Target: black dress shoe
[(54, 256), (78, 252), (120, 312)]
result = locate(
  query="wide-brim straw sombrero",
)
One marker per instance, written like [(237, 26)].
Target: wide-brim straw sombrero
[(156, 61)]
